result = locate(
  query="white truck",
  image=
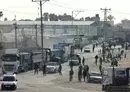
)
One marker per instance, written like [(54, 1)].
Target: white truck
[(15, 61), (115, 76)]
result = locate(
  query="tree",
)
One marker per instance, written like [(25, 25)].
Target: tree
[(87, 18), (25, 20), (5, 19), (111, 18), (45, 16), (1, 14), (81, 19), (53, 17)]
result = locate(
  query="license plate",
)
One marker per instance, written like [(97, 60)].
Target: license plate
[(7, 86)]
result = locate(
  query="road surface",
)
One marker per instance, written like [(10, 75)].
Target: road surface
[(28, 82)]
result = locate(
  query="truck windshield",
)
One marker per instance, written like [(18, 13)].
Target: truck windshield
[(9, 57)]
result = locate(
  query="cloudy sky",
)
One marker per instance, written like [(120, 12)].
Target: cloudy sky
[(26, 9)]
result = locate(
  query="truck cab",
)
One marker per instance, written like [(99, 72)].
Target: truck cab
[(115, 76)]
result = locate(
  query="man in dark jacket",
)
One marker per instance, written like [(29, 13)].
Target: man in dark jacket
[(36, 69), (60, 69), (44, 69), (96, 58), (83, 61)]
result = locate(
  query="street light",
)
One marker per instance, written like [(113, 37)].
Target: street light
[(41, 3)]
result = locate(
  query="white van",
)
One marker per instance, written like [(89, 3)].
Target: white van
[(9, 82)]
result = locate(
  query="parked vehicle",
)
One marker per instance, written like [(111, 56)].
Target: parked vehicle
[(87, 49), (52, 67), (9, 82), (94, 77), (74, 59), (15, 61)]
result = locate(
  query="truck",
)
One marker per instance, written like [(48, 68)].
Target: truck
[(15, 61), (114, 78)]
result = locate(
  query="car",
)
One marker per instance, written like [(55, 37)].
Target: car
[(52, 67), (95, 77), (74, 59), (87, 49), (9, 81)]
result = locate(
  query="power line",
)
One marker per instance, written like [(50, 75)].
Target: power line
[(105, 10)]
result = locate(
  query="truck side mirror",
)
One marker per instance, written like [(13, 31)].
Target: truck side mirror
[(16, 80)]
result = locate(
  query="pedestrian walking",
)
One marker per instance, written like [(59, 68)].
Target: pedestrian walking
[(125, 55), (36, 67), (100, 69), (80, 73), (81, 49), (85, 72), (100, 61), (96, 58), (71, 73), (83, 61), (60, 69), (44, 69)]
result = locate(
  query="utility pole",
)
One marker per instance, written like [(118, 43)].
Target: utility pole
[(41, 3), (105, 10), (77, 33), (36, 34), (15, 28)]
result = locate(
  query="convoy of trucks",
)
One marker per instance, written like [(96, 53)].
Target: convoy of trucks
[(15, 60)]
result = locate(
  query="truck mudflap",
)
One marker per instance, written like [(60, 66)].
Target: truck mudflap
[(117, 89)]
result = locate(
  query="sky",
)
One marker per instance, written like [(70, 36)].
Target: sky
[(26, 9)]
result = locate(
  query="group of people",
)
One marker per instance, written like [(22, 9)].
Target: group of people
[(83, 71), (100, 59)]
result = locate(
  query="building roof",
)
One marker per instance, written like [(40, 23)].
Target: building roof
[(47, 22)]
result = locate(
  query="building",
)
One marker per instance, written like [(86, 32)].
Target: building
[(54, 31)]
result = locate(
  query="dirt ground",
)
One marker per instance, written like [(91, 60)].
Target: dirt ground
[(63, 81)]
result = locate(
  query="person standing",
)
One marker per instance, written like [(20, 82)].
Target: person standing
[(80, 73), (100, 69), (83, 61), (36, 69), (93, 47), (85, 72), (100, 60), (44, 69), (60, 69), (71, 73), (96, 58), (125, 55)]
